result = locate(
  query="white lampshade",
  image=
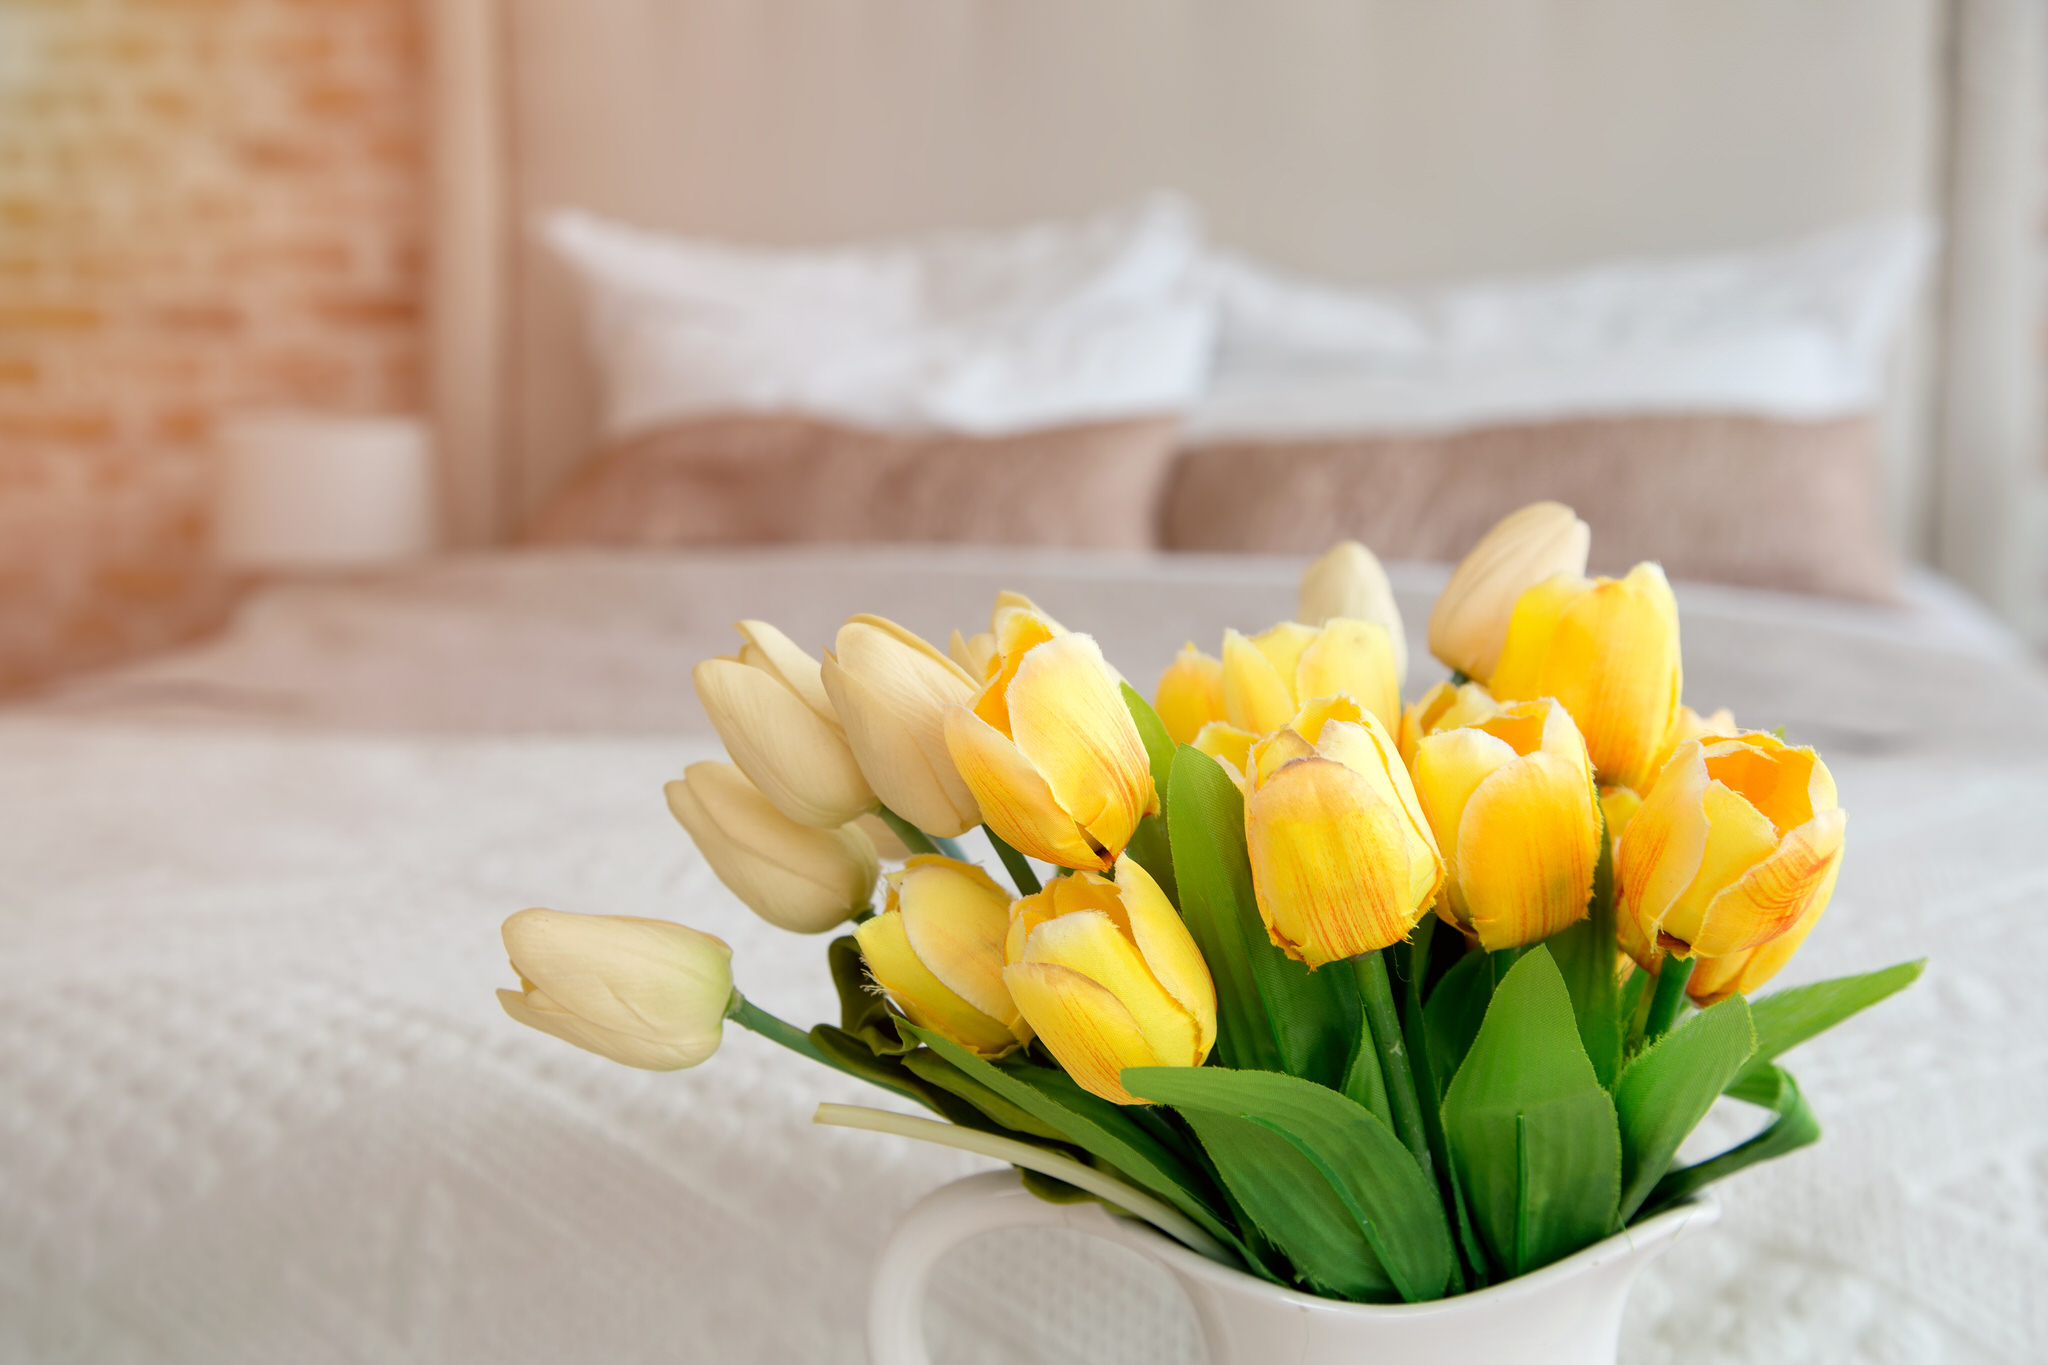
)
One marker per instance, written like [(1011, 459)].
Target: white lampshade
[(306, 491)]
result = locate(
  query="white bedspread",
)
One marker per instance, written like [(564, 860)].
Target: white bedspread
[(258, 1104)]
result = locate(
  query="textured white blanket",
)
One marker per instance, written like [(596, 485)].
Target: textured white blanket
[(257, 1102)]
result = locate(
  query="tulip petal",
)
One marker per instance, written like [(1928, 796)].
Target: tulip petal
[(1168, 949), (1714, 979), (1256, 696), (1015, 801), (894, 714), (1527, 842), (1070, 723), (955, 916), (1091, 944), (1349, 581), (797, 758), (773, 652), (643, 977), (1226, 743), (1086, 1028), (1772, 776), (1190, 694), (1365, 747), (537, 1011), (1355, 658), (796, 877), (1659, 855), (1330, 862), (924, 999), (1472, 616), (1775, 892), (1739, 837), (976, 655), (1017, 633), (1449, 767)]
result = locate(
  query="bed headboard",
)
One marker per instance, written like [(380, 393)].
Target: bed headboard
[(1361, 140)]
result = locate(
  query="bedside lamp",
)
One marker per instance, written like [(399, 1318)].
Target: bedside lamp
[(307, 492)]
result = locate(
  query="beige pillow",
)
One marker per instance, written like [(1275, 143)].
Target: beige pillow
[(745, 479), (1791, 505)]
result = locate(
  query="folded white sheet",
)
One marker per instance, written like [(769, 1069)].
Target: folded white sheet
[(1054, 323)]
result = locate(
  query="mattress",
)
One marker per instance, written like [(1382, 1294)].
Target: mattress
[(257, 1102)]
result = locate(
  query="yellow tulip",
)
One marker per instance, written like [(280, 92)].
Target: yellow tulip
[(770, 707), (1510, 799), (976, 654), (1690, 724), (1608, 649), (1469, 624), (1349, 582), (1267, 677), (1618, 805), (1190, 694), (797, 877), (1226, 744), (1736, 847), (1049, 749), (1108, 977), (1444, 707), (890, 691), (642, 992), (937, 949), (1343, 860)]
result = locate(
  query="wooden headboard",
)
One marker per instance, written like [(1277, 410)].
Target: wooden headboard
[(1359, 140)]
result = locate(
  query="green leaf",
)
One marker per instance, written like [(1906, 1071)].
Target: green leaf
[(1351, 1150), (1149, 844), (1668, 1089), (1365, 1082), (1429, 1087), (1787, 1018), (929, 1067), (1586, 955), (1093, 1124), (1795, 1127), (1532, 1135), (1453, 1014), (1273, 1014)]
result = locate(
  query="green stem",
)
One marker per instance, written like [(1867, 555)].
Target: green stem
[(747, 1014), (915, 839), (1670, 996), (1020, 867), (1378, 994)]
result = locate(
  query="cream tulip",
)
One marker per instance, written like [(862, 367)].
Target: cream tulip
[(1268, 677), (1608, 649), (1108, 977), (1349, 582), (1050, 750), (770, 707), (1343, 859), (642, 992), (1469, 625), (891, 692), (1510, 799), (937, 950), (797, 877)]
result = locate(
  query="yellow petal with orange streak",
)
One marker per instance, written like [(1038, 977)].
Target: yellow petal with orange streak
[(1739, 836), (1775, 892), (1069, 720), (1329, 860), (1659, 854), (1366, 747), (1169, 949), (1274, 752), (924, 999), (1717, 978), (1090, 943), (1190, 694), (1015, 801), (1355, 658), (1087, 1029), (1256, 695), (1527, 844)]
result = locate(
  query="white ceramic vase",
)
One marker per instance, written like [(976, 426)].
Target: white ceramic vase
[(1568, 1313)]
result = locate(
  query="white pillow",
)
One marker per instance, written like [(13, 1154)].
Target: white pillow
[(1801, 332), (1050, 324)]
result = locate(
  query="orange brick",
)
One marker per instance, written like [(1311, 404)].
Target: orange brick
[(49, 318)]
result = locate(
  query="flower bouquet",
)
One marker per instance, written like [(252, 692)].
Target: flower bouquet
[(1379, 1004)]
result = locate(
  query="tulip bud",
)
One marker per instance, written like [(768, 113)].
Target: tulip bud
[(1733, 851), (1268, 677), (1608, 649), (642, 992), (891, 691), (796, 877), (1108, 977), (1469, 624), (1190, 694), (937, 949), (770, 707), (1618, 806), (1049, 749), (1510, 799), (1348, 582), (1343, 860)]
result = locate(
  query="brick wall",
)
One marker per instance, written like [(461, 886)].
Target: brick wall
[(204, 205)]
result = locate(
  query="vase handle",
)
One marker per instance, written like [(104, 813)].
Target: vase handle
[(941, 1221)]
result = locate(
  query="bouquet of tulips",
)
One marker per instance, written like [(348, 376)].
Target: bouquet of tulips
[(1384, 1003)]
